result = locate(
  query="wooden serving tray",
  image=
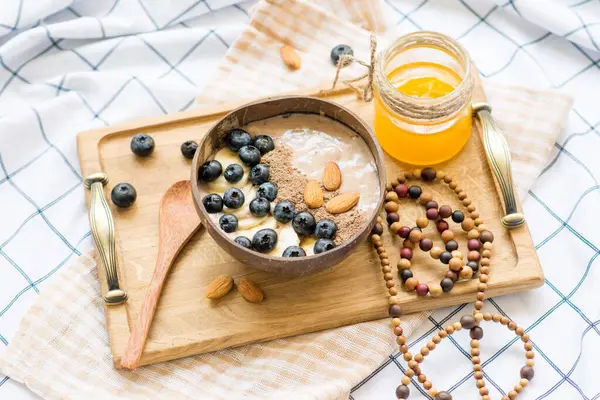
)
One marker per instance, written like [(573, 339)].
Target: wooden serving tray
[(186, 323)]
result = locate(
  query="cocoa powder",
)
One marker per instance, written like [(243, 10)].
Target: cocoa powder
[(290, 186)]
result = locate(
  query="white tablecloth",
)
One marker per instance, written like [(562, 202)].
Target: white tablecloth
[(69, 66)]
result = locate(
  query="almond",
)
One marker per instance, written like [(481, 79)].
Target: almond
[(313, 194), (219, 287), (290, 57), (342, 203), (250, 291), (332, 176)]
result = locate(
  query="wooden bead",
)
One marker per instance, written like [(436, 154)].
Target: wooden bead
[(487, 316), (388, 276), (484, 270), (528, 346), (488, 246), (415, 236), (466, 273), (519, 331), (433, 392), (475, 360), (409, 372), (473, 255), (391, 206), (379, 219), (383, 255), (453, 185), (435, 290), (485, 262), (512, 325), (512, 395), (401, 340), (392, 291), (443, 333), (417, 173), (478, 317), (390, 284), (462, 195), (404, 263), (457, 254), (467, 224), (405, 380), (436, 339), (425, 197), (480, 296), (427, 385), (530, 363), (409, 175), (484, 391), (450, 329), (440, 175), (447, 236), (396, 322), (419, 358), (473, 234), (457, 190), (411, 284), (496, 317), (466, 202), (435, 252), (455, 264), (471, 208), (447, 179), (504, 320), (478, 375), (486, 254), (401, 178), (425, 351), (395, 227), (407, 356), (391, 196), (479, 383), (483, 278), (388, 186), (518, 388), (395, 182), (403, 349), (422, 222), (477, 367), (408, 244), (412, 364), (529, 355), (524, 382), (431, 345), (478, 305), (482, 287), (474, 214), (475, 352)]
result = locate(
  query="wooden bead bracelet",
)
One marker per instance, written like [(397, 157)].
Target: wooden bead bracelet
[(476, 232)]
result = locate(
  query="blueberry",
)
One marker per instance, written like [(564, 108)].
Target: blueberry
[(233, 173), (123, 195), (260, 174), (325, 229), (213, 203), (237, 138), (304, 223), (268, 191), (259, 207), (243, 241), (142, 145), (228, 222), (188, 149), (249, 155), (263, 143), (340, 50), (284, 212), (264, 240), (323, 245), (210, 171), (294, 251), (233, 198)]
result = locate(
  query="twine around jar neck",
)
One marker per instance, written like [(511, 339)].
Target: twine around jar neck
[(424, 109)]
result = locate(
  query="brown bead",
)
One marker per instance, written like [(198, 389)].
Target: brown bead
[(415, 236), (483, 278), (435, 290), (436, 339), (483, 391), (467, 224), (471, 208), (411, 284), (519, 331), (478, 222), (412, 364), (457, 189), (431, 213), (391, 206), (390, 284), (455, 264), (388, 186), (425, 244), (468, 322), (447, 235), (466, 273), (402, 392), (512, 395), (419, 358), (475, 360), (529, 354), (480, 296), (422, 222), (452, 275), (407, 244), (485, 262), (478, 305), (475, 352), (403, 263), (462, 195), (488, 246), (504, 320), (482, 287), (486, 236), (428, 174), (476, 333), (425, 198), (473, 255), (473, 234), (443, 396), (448, 179), (512, 325), (475, 344), (525, 338), (385, 269), (427, 385), (398, 331), (401, 340), (391, 196), (393, 291), (392, 217), (395, 311), (445, 211), (403, 232), (401, 178), (379, 219), (466, 202), (436, 252), (422, 378), (453, 185), (407, 356), (388, 276), (478, 375)]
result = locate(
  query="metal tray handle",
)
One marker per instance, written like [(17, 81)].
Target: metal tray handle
[(103, 231), (498, 156)]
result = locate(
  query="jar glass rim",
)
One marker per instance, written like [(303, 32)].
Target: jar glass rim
[(443, 43)]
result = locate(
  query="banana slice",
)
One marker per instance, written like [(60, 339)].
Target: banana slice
[(286, 236), (267, 222), (227, 157), (308, 244)]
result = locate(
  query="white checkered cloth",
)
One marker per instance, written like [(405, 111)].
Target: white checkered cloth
[(65, 68)]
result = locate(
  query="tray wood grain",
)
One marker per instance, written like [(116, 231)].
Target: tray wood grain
[(187, 323)]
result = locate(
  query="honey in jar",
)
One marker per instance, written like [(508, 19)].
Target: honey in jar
[(423, 99)]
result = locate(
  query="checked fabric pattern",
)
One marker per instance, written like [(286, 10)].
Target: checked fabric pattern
[(69, 67)]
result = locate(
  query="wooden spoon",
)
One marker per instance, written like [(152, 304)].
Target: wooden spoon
[(177, 222)]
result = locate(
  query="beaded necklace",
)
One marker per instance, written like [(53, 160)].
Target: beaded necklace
[(480, 251)]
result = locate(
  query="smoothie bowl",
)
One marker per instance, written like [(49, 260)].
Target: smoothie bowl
[(289, 184)]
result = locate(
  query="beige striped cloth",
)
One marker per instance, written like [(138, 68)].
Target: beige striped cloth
[(61, 350)]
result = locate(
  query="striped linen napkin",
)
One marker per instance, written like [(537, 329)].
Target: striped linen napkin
[(61, 350)]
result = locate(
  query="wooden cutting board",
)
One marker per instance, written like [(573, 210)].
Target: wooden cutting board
[(187, 323)]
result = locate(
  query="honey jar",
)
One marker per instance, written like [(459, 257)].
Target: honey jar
[(423, 90)]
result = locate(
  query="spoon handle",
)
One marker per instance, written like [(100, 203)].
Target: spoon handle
[(141, 328)]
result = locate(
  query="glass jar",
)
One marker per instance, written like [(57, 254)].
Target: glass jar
[(423, 90)]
